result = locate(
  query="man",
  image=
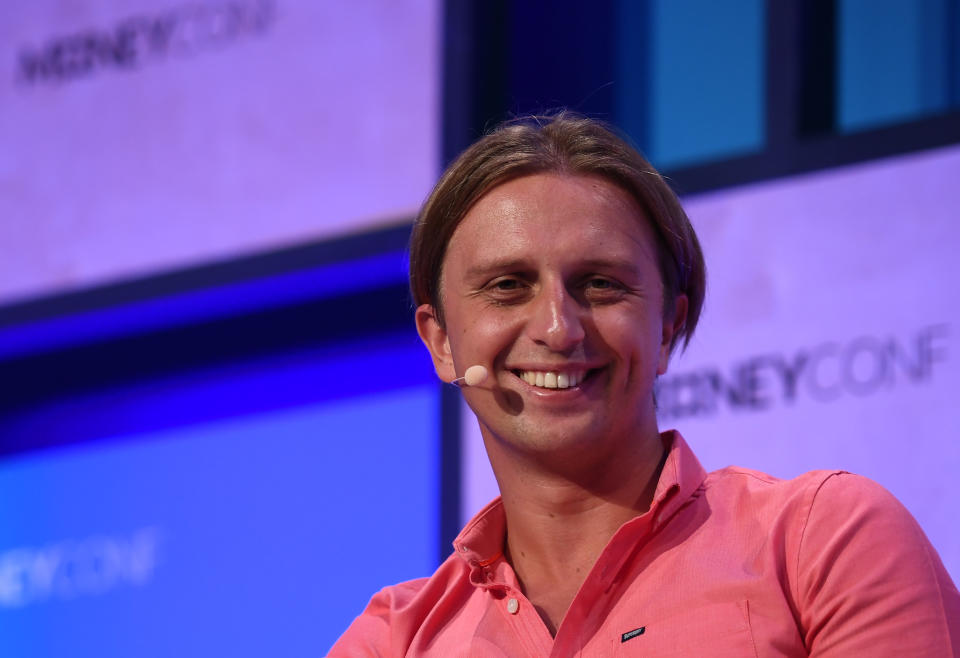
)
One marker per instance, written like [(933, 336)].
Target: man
[(553, 255)]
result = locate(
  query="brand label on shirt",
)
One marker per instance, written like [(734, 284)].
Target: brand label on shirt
[(629, 635)]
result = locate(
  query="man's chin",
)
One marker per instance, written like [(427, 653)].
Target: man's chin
[(554, 437)]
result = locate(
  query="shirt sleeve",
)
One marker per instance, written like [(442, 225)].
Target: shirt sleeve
[(869, 581)]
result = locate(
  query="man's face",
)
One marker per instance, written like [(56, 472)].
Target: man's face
[(551, 282)]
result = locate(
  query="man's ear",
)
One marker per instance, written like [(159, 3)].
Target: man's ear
[(438, 343), (672, 325)]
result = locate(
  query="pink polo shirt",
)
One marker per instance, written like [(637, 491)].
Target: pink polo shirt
[(730, 563)]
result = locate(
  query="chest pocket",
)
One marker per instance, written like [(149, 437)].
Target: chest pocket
[(720, 629)]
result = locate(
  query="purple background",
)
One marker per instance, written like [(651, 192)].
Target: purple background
[(304, 121)]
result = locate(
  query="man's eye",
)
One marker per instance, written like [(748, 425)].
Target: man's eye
[(601, 284), (506, 284), (600, 290), (507, 290)]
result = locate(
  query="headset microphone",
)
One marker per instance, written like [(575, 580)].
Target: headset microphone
[(471, 377)]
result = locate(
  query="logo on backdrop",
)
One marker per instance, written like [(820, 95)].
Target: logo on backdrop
[(137, 40), (71, 569), (863, 366)]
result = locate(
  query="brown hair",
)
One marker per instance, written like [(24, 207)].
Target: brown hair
[(563, 143)]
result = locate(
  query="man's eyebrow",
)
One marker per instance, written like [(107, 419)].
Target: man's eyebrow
[(519, 265), (493, 266), (628, 264), (625, 268)]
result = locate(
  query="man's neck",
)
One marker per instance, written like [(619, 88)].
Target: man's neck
[(559, 523)]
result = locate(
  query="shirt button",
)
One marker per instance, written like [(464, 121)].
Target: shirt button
[(512, 606)]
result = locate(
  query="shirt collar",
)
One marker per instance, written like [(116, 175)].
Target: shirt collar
[(681, 476), (481, 541)]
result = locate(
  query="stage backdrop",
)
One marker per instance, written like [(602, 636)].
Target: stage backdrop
[(149, 135), (828, 339), (246, 508)]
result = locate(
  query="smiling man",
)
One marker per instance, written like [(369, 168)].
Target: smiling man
[(553, 255)]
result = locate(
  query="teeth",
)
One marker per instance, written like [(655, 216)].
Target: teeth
[(552, 379)]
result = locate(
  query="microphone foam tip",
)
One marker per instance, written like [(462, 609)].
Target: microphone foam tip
[(474, 375)]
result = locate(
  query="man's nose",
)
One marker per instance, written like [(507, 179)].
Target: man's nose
[(556, 320)]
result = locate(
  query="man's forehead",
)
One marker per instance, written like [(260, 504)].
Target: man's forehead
[(506, 225)]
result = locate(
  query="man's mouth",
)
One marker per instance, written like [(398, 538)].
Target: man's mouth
[(553, 378)]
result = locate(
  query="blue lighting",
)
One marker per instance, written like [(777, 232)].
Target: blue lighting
[(263, 293)]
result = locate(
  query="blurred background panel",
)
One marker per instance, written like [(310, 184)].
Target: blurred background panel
[(717, 51), (218, 431), (895, 61), (235, 532), (145, 136), (206, 374)]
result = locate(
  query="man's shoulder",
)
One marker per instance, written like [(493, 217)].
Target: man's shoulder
[(835, 493), (396, 613), (749, 476), (402, 595), (836, 481)]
